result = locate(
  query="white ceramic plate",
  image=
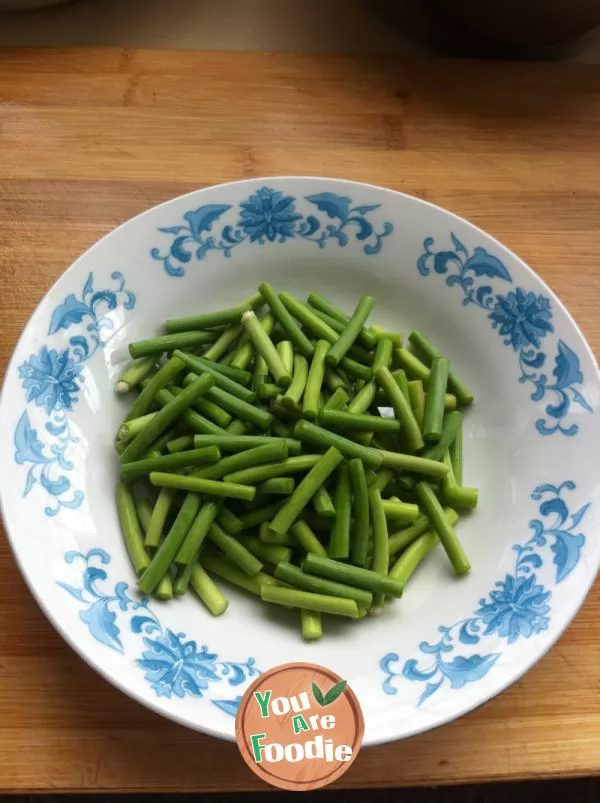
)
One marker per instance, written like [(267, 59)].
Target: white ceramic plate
[(450, 644)]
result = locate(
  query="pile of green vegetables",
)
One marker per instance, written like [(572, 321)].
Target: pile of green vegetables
[(293, 451)]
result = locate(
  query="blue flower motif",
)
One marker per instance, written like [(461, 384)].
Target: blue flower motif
[(28, 447), (175, 666), (268, 213), (517, 609), (268, 216), (50, 379), (523, 318)]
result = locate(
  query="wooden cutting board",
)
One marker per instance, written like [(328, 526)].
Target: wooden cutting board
[(89, 138)]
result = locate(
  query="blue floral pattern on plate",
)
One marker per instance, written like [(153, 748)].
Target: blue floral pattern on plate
[(173, 665), (269, 216), (52, 380), (517, 608), (523, 319)]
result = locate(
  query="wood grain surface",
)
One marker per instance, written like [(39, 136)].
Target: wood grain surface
[(90, 138)]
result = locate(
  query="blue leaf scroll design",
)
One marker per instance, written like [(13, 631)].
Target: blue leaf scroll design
[(518, 607), (523, 319), (173, 664), (268, 216), (52, 380)]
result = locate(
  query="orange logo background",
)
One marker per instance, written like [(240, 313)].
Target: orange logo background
[(313, 730)]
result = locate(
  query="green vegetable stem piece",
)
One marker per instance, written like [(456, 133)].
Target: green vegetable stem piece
[(452, 426), (168, 549), (239, 443), (383, 354), (160, 511), (312, 629), (182, 579), (277, 486), (267, 536), (238, 427), (408, 462), (314, 382), (133, 374), (311, 322), (215, 369), (356, 422), (225, 340), (163, 377), (224, 568), (260, 418), (286, 353), (401, 407), (202, 486), (156, 346), (267, 390), (212, 319), (412, 365), (435, 513), (402, 382), (416, 396), (380, 334), (293, 598), (164, 590), (456, 495), (188, 552), (339, 544), (433, 420), (360, 525), (334, 380), (322, 438), (129, 429), (231, 523), (235, 550), (351, 575), (131, 529), (417, 550), (285, 320), (293, 576), (207, 591), (296, 503), (456, 451), (255, 518), (271, 553), (307, 539), (181, 444), (293, 394), (190, 418), (264, 346), (212, 411), (381, 555), (337, 400), (355, 351), (363, 399), (143, 508), (241, 461), (245, 351), (323, 503), (170, 462), (366, 337), (351, 332), (395, 510), (285, 468), (457, 386), (164, 418)]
